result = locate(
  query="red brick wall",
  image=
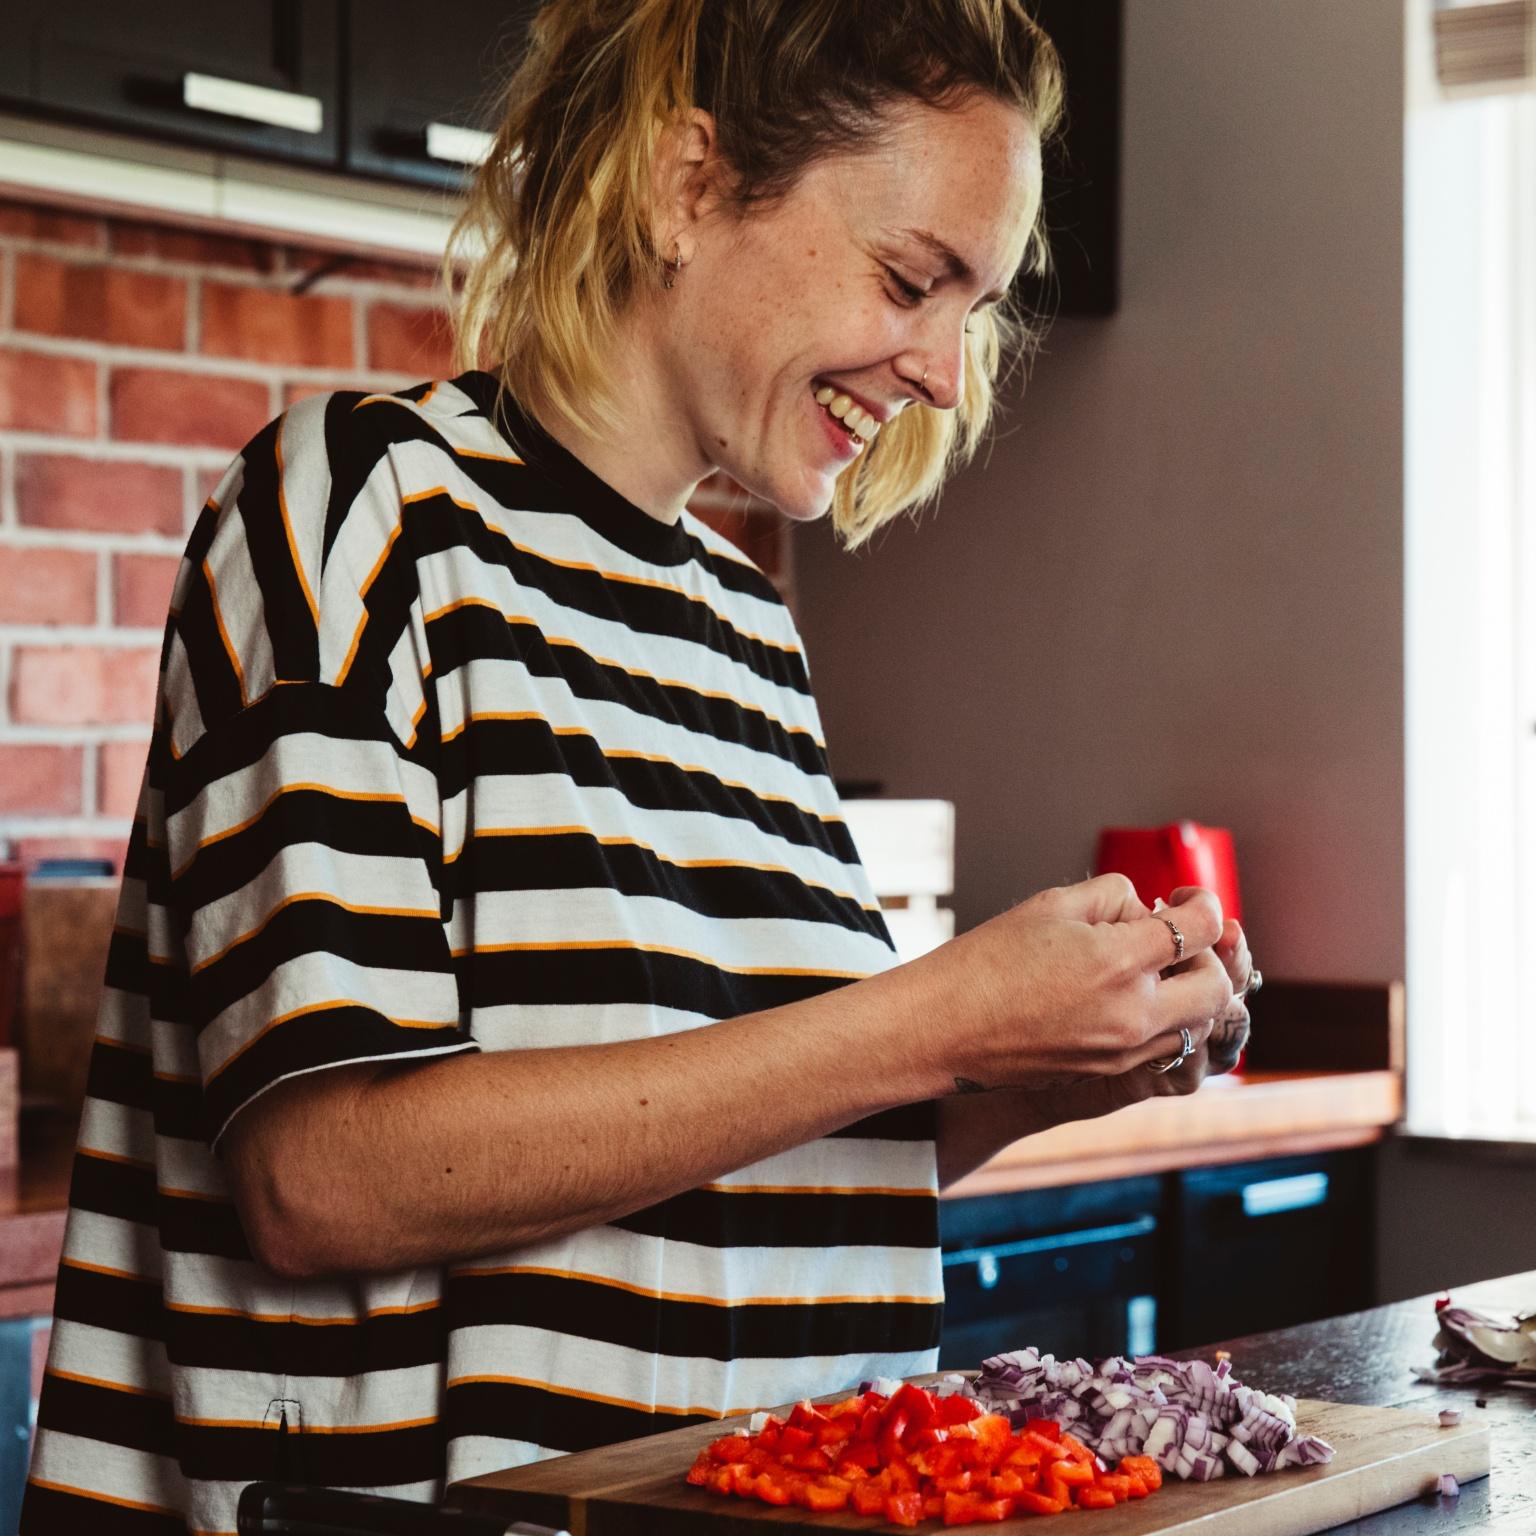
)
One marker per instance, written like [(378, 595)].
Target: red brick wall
[(135, 358)]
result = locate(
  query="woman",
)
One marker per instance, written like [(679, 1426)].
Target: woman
[(485, 777)]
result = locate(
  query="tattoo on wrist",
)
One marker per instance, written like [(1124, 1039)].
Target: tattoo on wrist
[(969, 1085)]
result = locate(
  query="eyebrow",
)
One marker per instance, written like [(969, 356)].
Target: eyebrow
[(955, 265)]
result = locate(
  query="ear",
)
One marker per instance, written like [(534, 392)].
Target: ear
[(686, 180)]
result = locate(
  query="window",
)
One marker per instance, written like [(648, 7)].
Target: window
[(1470, 569)]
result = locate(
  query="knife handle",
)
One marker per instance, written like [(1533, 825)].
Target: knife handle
[(292, 1509)]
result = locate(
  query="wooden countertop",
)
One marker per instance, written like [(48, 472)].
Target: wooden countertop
[(1231, 1119)]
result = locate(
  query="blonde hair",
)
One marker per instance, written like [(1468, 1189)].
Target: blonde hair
[(557, 236)]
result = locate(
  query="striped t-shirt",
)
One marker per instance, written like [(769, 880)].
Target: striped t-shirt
[(456, 749)]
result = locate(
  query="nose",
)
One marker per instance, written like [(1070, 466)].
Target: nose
[(937, 367)]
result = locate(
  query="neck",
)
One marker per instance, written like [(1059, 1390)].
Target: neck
[(651, 458)]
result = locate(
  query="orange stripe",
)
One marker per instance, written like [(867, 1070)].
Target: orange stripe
[(618, 666), (114, 1157), (122, 1045), (489, 1271), (325, 896), (654, 949), (362, 593), (218, 619), (289, 789), (107, 1498), (591, 1397), (639, 581), (635, 842), (617, 754), (416, 719), (172, 1192), (294, 1317), (476, 602), (110, 1386), (309, 1429), (105, 1269), (334, 1002), (439, 490), (475, 453), (293, 549)]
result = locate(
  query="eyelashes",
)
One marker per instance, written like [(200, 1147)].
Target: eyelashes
[(912, 295)]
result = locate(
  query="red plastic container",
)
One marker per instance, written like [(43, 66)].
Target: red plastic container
[(13, 884), (1159, 859)]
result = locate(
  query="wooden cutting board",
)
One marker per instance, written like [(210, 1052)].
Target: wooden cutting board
[(1385, 1456)]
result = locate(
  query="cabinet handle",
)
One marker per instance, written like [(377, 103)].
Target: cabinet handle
[(461, 146), (1269, 1197), (988, 1260), (256, 103)]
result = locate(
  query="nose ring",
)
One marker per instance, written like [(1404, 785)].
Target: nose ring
[(924, 385)]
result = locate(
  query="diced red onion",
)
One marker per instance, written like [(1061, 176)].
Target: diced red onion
[(1448, 1486), (1195, 1422), (1450, 1418)]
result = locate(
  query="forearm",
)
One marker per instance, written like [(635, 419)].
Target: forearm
[(974, 1127), (358, 1170)]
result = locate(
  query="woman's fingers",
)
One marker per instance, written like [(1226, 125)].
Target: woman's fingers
[(1226, 1041), (1195, 999), (1103, 899), (1198, 920)]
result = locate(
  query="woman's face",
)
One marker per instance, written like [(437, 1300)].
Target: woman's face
[(817, 291)]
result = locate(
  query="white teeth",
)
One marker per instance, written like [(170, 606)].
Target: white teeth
[(855, 418)]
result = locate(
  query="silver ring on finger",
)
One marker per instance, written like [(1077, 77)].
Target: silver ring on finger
[(1178, 938), (1186, 1050), (1255, 981)]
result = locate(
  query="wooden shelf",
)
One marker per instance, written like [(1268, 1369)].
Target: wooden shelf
[(1235, 1119)]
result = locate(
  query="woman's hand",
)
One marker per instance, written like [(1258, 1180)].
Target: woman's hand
[(1067, 986), (1229, 1031)]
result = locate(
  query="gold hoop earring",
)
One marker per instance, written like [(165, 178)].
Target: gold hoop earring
[(676, 265)]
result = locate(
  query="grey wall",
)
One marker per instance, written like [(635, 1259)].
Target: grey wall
[(1448, 1214), (1174, 587)]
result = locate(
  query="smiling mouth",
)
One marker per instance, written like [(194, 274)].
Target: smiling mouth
[(853, 419)]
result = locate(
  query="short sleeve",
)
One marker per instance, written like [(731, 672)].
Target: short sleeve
[(302, 834)]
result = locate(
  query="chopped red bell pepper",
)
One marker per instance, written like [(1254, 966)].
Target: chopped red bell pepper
[(1036, 1504), (972, 1508), (1116, 1483), (913, 1457)]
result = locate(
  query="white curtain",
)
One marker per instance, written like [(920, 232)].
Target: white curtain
[(1470, 472)]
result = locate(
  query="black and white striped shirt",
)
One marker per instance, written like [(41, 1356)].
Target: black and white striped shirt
[(457, 750)]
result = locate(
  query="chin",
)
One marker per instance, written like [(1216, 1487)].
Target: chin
[(801, 502)]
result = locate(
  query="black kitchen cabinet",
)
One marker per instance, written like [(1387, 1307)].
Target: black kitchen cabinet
[(1082, 167), (258, 76), (1257, 1246), (413, 84), (1074, 1270), (1158, 1262), (387, 88)]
